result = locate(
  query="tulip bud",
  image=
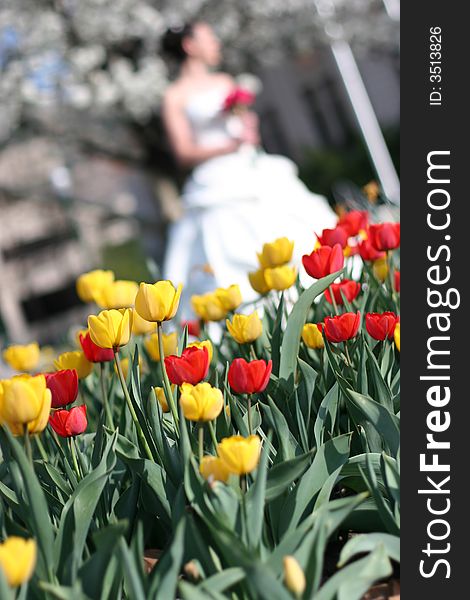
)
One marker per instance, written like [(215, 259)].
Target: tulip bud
[(90, 284), (230, 298), (201, 402), (212, 468), (385, 236), (69, 423), (294, 576), (342, 327), (92, 352), (350, 289), (25, 401), (117, 294), (170, 345), (141, 326), (258, 282), (312, 336), (158, 302), (380, 269), (330, 237), (204, 344), (280, 278), (17, 559), (245, 328), (323, 261), (74, 360), (240, 455), (190, 367), (249, 377), (208, 307), (63, 386), (396, 336), (22, 358), (354, 222), (111, 328), (381, 326), (277, 253), (160, 395)]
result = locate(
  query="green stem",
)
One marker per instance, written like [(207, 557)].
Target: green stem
[(74, 458), (347, 354), (166, 382), (27, 444), (201, 441), (213, 436), (333, 301), (252, 352), (250, 424), (390, 278), (140, 433), (41, 448), (104, 398)]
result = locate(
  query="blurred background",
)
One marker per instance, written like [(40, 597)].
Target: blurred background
[(86, 176)]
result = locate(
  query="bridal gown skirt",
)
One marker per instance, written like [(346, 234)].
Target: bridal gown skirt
[(232, 205)]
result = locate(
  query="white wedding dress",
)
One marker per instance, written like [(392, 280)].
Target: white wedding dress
[(233, 204)]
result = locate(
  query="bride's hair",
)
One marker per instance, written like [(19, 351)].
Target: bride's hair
[(173, 38)]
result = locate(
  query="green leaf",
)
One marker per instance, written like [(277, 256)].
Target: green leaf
[(223, 580), (367, 542), (133, 583), (164, 578), (326, 416), (283, 474), (254, 499)]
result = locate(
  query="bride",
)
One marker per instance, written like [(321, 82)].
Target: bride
[(237, 197)]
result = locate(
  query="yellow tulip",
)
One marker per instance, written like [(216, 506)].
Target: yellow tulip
[(240, 455), (17, 559), (258, 282), (201, 402), (230, 298), (158, 302), (380, 269), (117, 294), (280, 278), (294, 577), (312, 336), (204, 344), (22, 358), (212, 468), (277, 253), (396, 336), (141, 326), (74, 360), (80, 332), (160, 394), (208, 307), (25, 401), (245, 328), (111, 328), (89, 284), (170, 345)]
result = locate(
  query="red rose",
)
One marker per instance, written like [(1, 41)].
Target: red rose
[(385, 236), (238, 97), (354, 221), (381, 325), (249, 377), (343, 327), (68, 423), (396, 277), (63, 386), (191, 367), (368, 252), (330, 237), (349, 288), (323, 261), (94, 353)]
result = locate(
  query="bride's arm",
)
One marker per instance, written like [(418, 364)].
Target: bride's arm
[(186, 151)]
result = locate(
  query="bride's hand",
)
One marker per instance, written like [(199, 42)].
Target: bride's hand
[(250, 132)]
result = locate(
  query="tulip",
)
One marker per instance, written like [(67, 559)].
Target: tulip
[(170, 345), (324, 261), (230, 298), (381, 326), (208, 307), (258, 282), (396, 336), (92, 352), (280, 278), (74, 360), (64, 387), (201, 402), (312, 336), (368, 252), (245, 328), (141, 326), (204, 344), (117, 294), (331, 237), (111, 328), (90, 284), (17, 559), (342, 327), (22, 358), (68, 423), (160, 395), (277, 253), (25, 401), (349, 288), (212, 468), (396, 277), (354, 222), (194, 328), (385, 236), (190, 367), (380, 269), (294, 577), (240, 455), (158, 302), (249, 377)]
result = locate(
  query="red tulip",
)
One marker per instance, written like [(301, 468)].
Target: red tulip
[(396, 276), (368, 252), (343, 327), (330, 237), (194, 328), (354, 221), (381, 325), (191, 367), (349, 288), (68, 423), (249, 377), (385, 236), (63, 386), (93, 352), (323, 261)]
